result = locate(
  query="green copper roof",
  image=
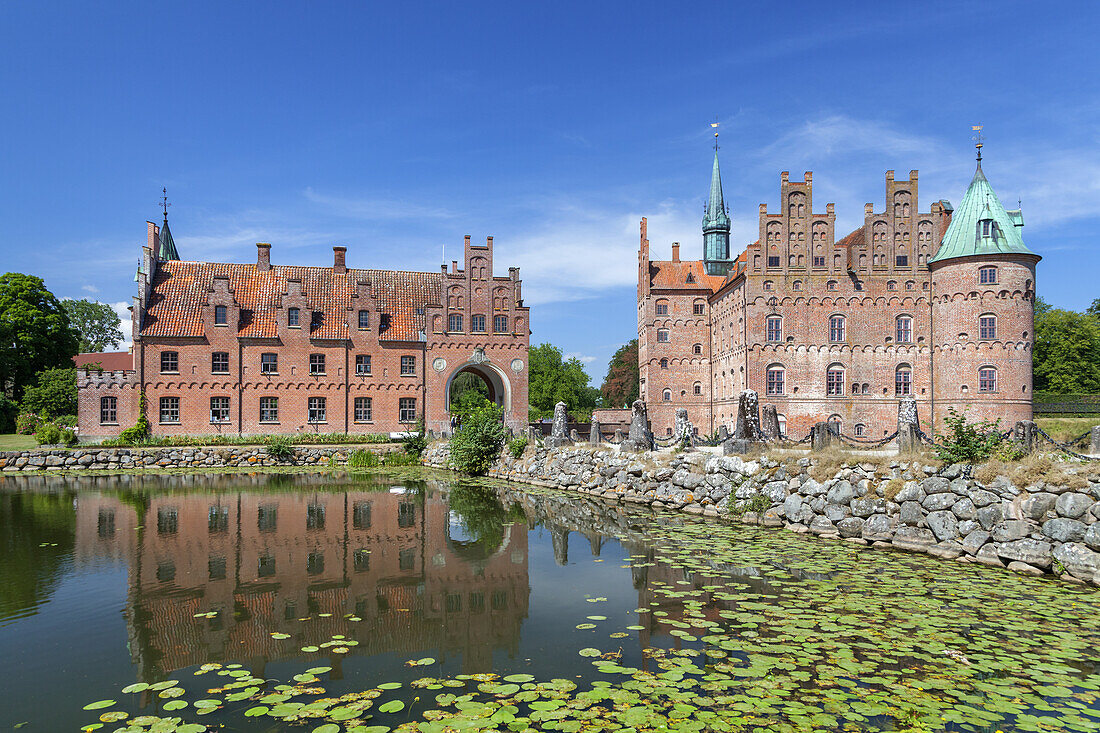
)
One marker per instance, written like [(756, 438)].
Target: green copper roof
[(167, 249), (716, 216), (968, 234)]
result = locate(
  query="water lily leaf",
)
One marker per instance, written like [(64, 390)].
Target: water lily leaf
[(99, 704), (175, 705), (114, 716), (256, 711), (327, 728), (389, 686), (310, 649), (519, 678), (589, 652), (136, 687), (317, 670), (393, 706)]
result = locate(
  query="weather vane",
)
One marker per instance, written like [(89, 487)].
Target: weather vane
[(715, 126), (977, 139), (164, 202)]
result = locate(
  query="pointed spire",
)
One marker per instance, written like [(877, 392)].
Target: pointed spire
[(167, 247), (716, 224)]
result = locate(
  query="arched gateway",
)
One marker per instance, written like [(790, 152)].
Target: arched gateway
[(500, 389)]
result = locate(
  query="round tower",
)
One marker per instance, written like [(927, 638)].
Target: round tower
[(983, 314)]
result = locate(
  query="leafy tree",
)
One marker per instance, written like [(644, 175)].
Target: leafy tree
[(477, 443), (621, 385), (1041, 306), (54, 393), (557, 379), (96, 323), (467, 391), (1067, 352), (35, 333), (1094, 309)]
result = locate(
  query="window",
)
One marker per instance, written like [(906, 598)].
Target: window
[(768, 285), (697, 349), (662, 308), (363, 409), (292, 317), (909, 284), (219, 409), (987, 275), (265, 566), (269, 409), (106, 525), (362, 560), (361, 515), (362, 364), (986, 226), (901, 261), (315, 563), (500, 324), (662, 335), (408, 365), (221, 315), (269, 363), (169, 362), (987, 327), (904, 329), (664, 363), (797, 285), (406, 409), (860, 429), (454, 322), (219, 362), (697, 389), (406, 514), (267, 517), (477, 324), (836, 329), (317, 409), (316, 363), (834, 381), (831, 285), (364, 320), (698, 308), (169, 409), (987, 379), (666, 396), (316, 319), (775, 328), (773, 261), (108, 410), (775, 380), (903, 381), (819, 261), (315, 516), (168, 520), (891, 285)]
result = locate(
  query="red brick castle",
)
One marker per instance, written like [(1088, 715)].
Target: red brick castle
[(938, 305), (246, 349)]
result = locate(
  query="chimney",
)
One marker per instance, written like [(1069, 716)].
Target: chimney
[(263, 256), (454, 266), (675, 251), (338, 259), (489, 242)]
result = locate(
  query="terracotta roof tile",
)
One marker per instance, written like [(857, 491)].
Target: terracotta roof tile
[(111, 361), (180, 291), (855, 237), (669, 274)]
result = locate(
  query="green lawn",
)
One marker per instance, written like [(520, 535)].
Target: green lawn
[(1062, 428), (17, 442)]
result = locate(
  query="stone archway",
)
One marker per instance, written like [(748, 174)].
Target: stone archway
[(500, 389)]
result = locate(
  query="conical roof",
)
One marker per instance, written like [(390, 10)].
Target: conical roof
[(966, 236), (167, 249), (716, 216)]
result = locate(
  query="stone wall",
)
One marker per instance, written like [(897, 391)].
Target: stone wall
[(122, 459), (1038, 528)]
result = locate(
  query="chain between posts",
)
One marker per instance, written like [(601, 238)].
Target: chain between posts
[(1063, 446)]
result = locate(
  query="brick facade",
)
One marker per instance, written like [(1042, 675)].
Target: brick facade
[(856, 323), (262, 349)]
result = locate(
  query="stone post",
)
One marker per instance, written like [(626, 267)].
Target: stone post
[(1026, 434), (824, 436), (619, 437), (1094, 441), (683, 430), (558, 436), (723, 433), (594, 435), (747, 433), (640, 438), (769, 423), (908, 426), (535, 435)]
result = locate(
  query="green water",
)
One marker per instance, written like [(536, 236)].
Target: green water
[(338, 603)]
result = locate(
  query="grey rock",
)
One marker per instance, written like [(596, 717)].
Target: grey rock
[(1013, 529), (836, 512), (775, 490), (911, 513), (821, 525), (1092, 537), (939, 502), (1073, 505), (967, 526), (879, 527), (989, 516), (946, 550), (792, 507), (866, 507), (944, 525), (964, 508), (953, 471), (910, 492), (936, 485), (818, 504), (1079, 561), (811, 487), (850, 527), (1062, 529), (983, 498), (841, 493), (1033, 552), (1023, 567), (960, 486), (1037, 505), (975, 540), (988, 556), (913, 538)]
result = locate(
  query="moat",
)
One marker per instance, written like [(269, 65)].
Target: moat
[(343, 602)]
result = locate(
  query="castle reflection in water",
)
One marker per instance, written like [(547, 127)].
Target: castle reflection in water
[(264, 561)]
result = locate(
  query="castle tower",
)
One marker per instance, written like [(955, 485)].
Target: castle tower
[(716, 226), (983, 285)]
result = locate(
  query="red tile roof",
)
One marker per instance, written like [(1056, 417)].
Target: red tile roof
[(855, 237), (669, 274), (180, 293), (111, 361)]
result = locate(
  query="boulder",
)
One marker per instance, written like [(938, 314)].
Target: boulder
[(1037, 505), (987, 555), (964, 508), (792, 507), (943, 524), (1062, 529), (850, 527), (821, 525), (1013, 529), (1079, 561), (939, 502), (910, 492), (841, 493), (974, 541), (836, 512), (983, 498), (911, 513), (639, 439), (866, 507), (1092, 537), (1032, 552), (1073, 505), (879, 527), (989, 516), (913, 538), (1023, 567)]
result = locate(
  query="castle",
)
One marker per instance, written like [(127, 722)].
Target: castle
[(937, 305), (247, 349)]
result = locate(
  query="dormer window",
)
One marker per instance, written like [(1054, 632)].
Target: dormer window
[(221, 315), (987, 227), (690, 278)]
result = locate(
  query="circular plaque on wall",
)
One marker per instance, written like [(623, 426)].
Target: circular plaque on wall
[(439, 364), (517, 365)]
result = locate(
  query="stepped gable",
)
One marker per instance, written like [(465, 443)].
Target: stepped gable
[(180, 291)]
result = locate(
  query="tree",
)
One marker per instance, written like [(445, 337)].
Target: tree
[(1067, 352), (555, 379), (621, 385), (477, 443), (466, 389), (53, 395), (96, 323), (1094, 309), (35, 333)]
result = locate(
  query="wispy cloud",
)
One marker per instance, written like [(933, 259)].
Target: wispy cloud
[(582, 358), (89, 289)]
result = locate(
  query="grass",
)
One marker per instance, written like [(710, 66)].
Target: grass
[(15, 441), (1065, 428), (1034, 468)]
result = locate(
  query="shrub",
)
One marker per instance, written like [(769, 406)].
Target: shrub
[(54, 393), (758, 504), (968, 442), (478, 442), (517, 445), (8, 412), (50, 433), (400, 458), (363, 459), (68, 421), (26, 423), (280, 449), (416, 442)]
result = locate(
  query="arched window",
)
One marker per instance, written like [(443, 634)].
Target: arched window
[(903, 330), (987, 379), (909, 284), (834, 380), (860, 429), (866, 388), (454, 322), (697, 389), (664, 363), (903, 380), (775, 379), (697, 349), (667, 395), (835, 422), (662, 335), (782, 425), (836, 329), (987, 275), (891, 284), (775, 328), (768, 285), (662, 307), (831, 285), (987, 327), (698, 307)]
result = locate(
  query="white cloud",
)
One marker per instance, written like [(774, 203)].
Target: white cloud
[(89, 288), (582, 358)]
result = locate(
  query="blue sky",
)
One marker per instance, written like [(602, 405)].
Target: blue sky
[(396, 128)]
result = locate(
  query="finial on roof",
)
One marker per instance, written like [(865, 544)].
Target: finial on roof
[(167, 246), (164, 202), (715, 126), (978, 140)]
